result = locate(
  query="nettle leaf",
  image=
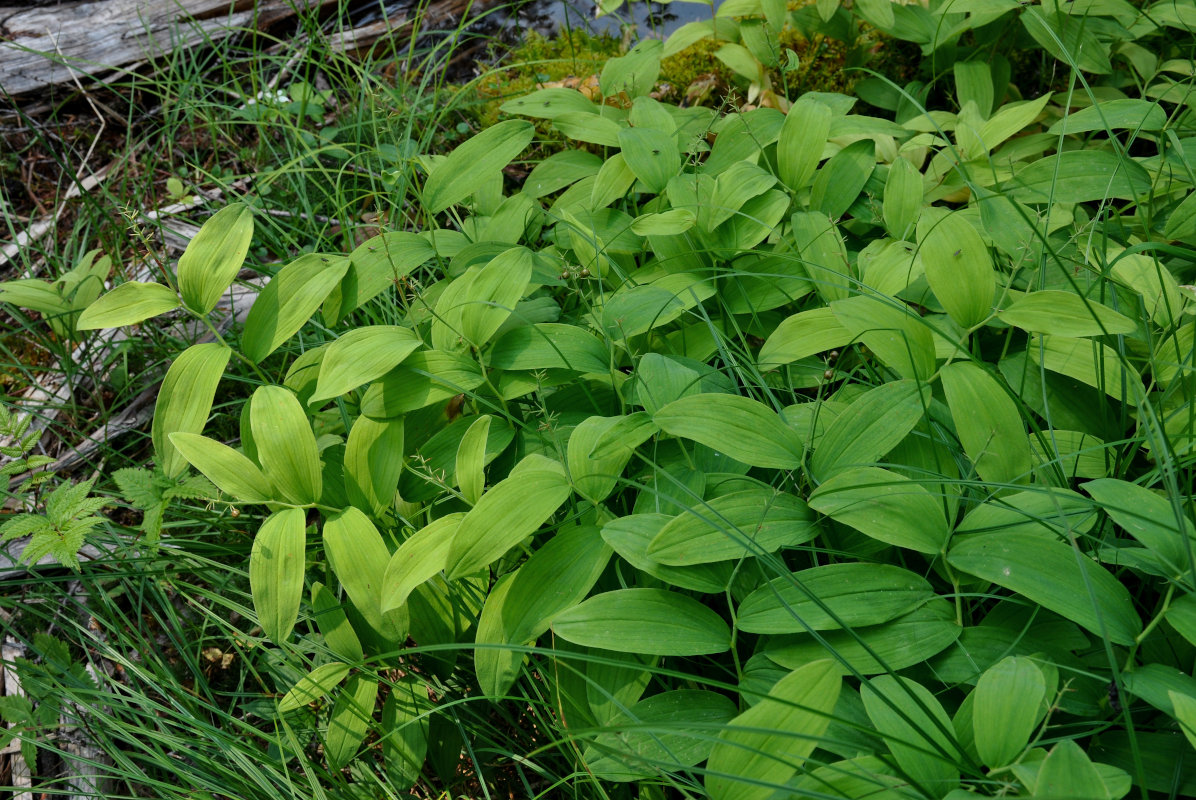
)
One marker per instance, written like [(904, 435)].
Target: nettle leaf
[(832, 597), (474, 161), (288, 301), (740, 427), (885, 506), (648, 621), (127, 304), (958, 267), (286, 446), (231, 471), (185, 400), (988, 424), (214, 257), (1064, 314), (511, 510), (1053, 575), (276, 567), (763, 748), (360, 356), (735, 525)]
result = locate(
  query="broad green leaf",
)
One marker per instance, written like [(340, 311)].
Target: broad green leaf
[(1068, 772), (214, 257), (761, 749), (473, 162), (870, 427), (627, 433), (1148, 517), (549, 103), (630, 537), (803, 136), (185, 399), (1185, 714), (648, 621), (1053, 575), (471, 459), (288, 301), (359, 558), (334, 624), (350, 720), (1080, 176), (513, 509), (286, 446), (424, 377), (831, 597), (669, 731), (739, 427), (802, 335), (376, 264), (1182, 616), (1155, 683), (736, 525), (1064, 314), (231, 471), (437, 457), (637, 309), (550, 345), (1047, 511), (560, 170), (666, 223), (1088, 362), (276, 567), (373, 463), (595, 478), (360, 356), (587, 127), (492, 292), (823, 255), (958, 267), (1007, 706), (556, 577), (1150, 278), (1010, 119), (902, 199), (891, 330), (127, 304), (418, 559), (614, 681), (974, 82), (406, 727), (651, 155), (1108, 115), (313, 686), (1068, 38), (893, 645), (633, 74), (885, 506), (916, 729), (842, 178), (988, 423)]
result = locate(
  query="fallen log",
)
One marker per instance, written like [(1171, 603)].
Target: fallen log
[(46, 45)]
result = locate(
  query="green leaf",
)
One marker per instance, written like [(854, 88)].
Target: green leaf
[(406, 727), (1053, 512), (917, 730), (652, 155), (802, 335), (1007, 706), (560, 170), (1068, 772), (471, 459), (823, 255), (555, 578), (1107, 115), (630, 537), (550, 345), (1053, 575), (831, 597), (1068, 38), (1088, 362), (377, 263), (1148, 517), (988, 423), (1064, 314), (288, 301), (739, 427), (490, 296), (587, 127), (549, 103), (885, 506), (1185, 714), (763, 748), (313, 686), (350, 720), (286, 446), (1080, 176), (185, 399), (359, 558), (276, 567), (902, 199), (330, 616), (418, 559), (733, 526), (360, 356), (633, 74), (959, 268), (666, 223), (595, 478), (842, 178), (424, 377), (891, 330), (473, 162), (373, 463), (214, 257), (514, 508), (127, 304), (648, 621), (870, 427), (803, 136), (666, 732), (231, 471)]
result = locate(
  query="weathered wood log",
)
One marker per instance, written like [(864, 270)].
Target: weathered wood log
[(42, 46)]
